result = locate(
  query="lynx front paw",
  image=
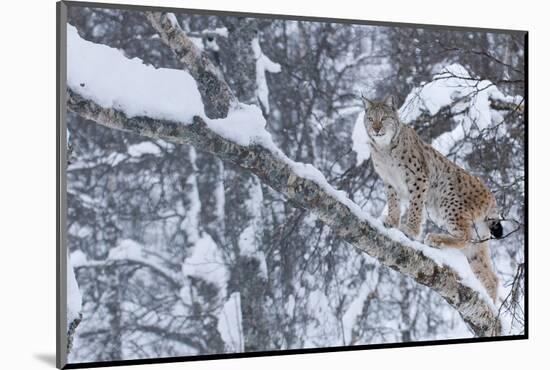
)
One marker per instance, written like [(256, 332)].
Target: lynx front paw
[(433, 240), (390, 222), (410, 232)]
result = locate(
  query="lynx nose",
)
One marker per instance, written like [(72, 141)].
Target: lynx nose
[(376, 126)]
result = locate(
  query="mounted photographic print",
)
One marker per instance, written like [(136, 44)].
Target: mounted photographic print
[(234, 184)]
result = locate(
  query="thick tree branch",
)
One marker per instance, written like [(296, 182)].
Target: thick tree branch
[(507, 105), (276, 171), (71, 330), (216, 94)]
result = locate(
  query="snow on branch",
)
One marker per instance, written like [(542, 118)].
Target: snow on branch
[(74, 304), (215, 93), (472, 103), (454, 86), (241, 138), (216, 32), (263, 65)]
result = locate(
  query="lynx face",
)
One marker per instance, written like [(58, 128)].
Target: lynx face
[(381, 120)]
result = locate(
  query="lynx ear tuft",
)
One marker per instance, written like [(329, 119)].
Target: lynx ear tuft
[(366, 102), (390, 102)]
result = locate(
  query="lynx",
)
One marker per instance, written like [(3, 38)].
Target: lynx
[(416, 173)]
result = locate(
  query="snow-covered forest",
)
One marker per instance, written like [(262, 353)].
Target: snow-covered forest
[(175, 250)]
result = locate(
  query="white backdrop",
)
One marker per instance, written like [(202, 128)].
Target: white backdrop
[(27, 183)]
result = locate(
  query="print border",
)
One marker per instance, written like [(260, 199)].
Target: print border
[(61, 186)]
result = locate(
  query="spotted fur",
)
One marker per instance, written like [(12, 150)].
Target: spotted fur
[(431, 185)]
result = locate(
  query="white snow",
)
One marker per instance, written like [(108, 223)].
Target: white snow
[(206, 262), (192, 213), (454, 87), (354, 310), (244, 125), (230, 324), (221, 31), (202, 42), (173, 20), (263, 65), (74, 298), (323, 323), (106, 76), (249, 247), (263, 264), (359, 139), (126, 249), (197, 41), (255, 200), (145, 147), (309, 172), (219, 195), (249, 239), (452, 258), (211, 44), (78, 258), (447, 87), (290, 305), (497, 94)]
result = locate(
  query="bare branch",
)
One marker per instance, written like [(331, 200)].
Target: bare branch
[(483, 53)]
